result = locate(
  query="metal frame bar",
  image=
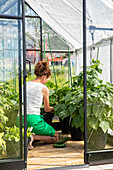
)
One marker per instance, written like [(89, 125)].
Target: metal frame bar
[(29, 6), (102, 158), (111, 61), (24, 83), (20, 75), (17, 164), (41, 56), (85, 81), (20, 85), (10, 17), (29, 16), (48, 51), (91, 155), (91, 27)]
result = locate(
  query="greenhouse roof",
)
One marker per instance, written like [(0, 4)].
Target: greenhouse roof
[(66, 18)]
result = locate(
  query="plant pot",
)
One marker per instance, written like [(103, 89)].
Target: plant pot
[(48, 116), (57, 125), (65, 125), (76, 134), (96, 140), (13, 149)]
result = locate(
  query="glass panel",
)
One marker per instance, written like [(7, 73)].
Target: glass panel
[(32, 33), (103, 158), (11, 7), (10, 88), (56, 42), (99, 77), (29, 11), (33, 56), (60, 61)]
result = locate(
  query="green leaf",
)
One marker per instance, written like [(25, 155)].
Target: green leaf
[(98, 111), (93, 123), (72, 108), (89, 110), (108, 103), (77, 120), (104, 125), (81, 111), (63, 114), (58, 107)]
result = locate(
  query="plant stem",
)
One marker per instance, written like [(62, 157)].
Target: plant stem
[(52, 61), (44, 47)]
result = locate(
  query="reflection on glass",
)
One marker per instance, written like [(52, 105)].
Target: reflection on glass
[(9, 89), (32, 33), (11, 7), (99, 101), (33, 56), (29, 11), (57, 43), (99, 75)]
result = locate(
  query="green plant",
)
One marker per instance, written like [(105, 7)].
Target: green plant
[(56, 95), (99, 101), (13, 133), (8, 100), (2, 143)]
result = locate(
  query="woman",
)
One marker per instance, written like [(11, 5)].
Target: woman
[(37, 93)]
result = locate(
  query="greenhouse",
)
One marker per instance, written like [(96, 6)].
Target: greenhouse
[(75, 38)]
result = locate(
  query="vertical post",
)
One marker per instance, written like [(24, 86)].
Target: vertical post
[(97, 53), (41, 57), (111, 61), (24, 83), (85, 81), (20, 79), (69, 68), (3, 58), (20, 84), (44, 47), (52, 61)]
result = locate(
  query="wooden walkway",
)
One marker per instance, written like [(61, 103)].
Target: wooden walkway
[(46, 156)]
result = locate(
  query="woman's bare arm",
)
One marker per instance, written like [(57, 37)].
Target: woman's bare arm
[(45, 93)]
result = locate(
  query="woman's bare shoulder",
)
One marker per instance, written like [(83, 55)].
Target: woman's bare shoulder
[(45, 90)]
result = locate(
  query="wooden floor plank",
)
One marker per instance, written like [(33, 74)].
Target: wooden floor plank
[(46, 156)]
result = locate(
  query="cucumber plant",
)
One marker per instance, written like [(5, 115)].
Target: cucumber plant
[(99, 101)]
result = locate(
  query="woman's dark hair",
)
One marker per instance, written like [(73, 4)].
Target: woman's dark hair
[(42, 69)]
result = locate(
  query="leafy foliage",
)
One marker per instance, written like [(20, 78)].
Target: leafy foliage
[(8, 99), (99, 101), (13, 133), (2, 143)]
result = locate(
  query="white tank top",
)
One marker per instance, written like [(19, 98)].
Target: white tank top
[(34, 97)]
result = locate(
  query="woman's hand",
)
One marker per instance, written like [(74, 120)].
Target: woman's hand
[(52, 111)]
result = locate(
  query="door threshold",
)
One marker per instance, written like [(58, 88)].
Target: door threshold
[(67, 167)]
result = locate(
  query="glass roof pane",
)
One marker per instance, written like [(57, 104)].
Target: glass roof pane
[(11, 7), (29, 11)]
